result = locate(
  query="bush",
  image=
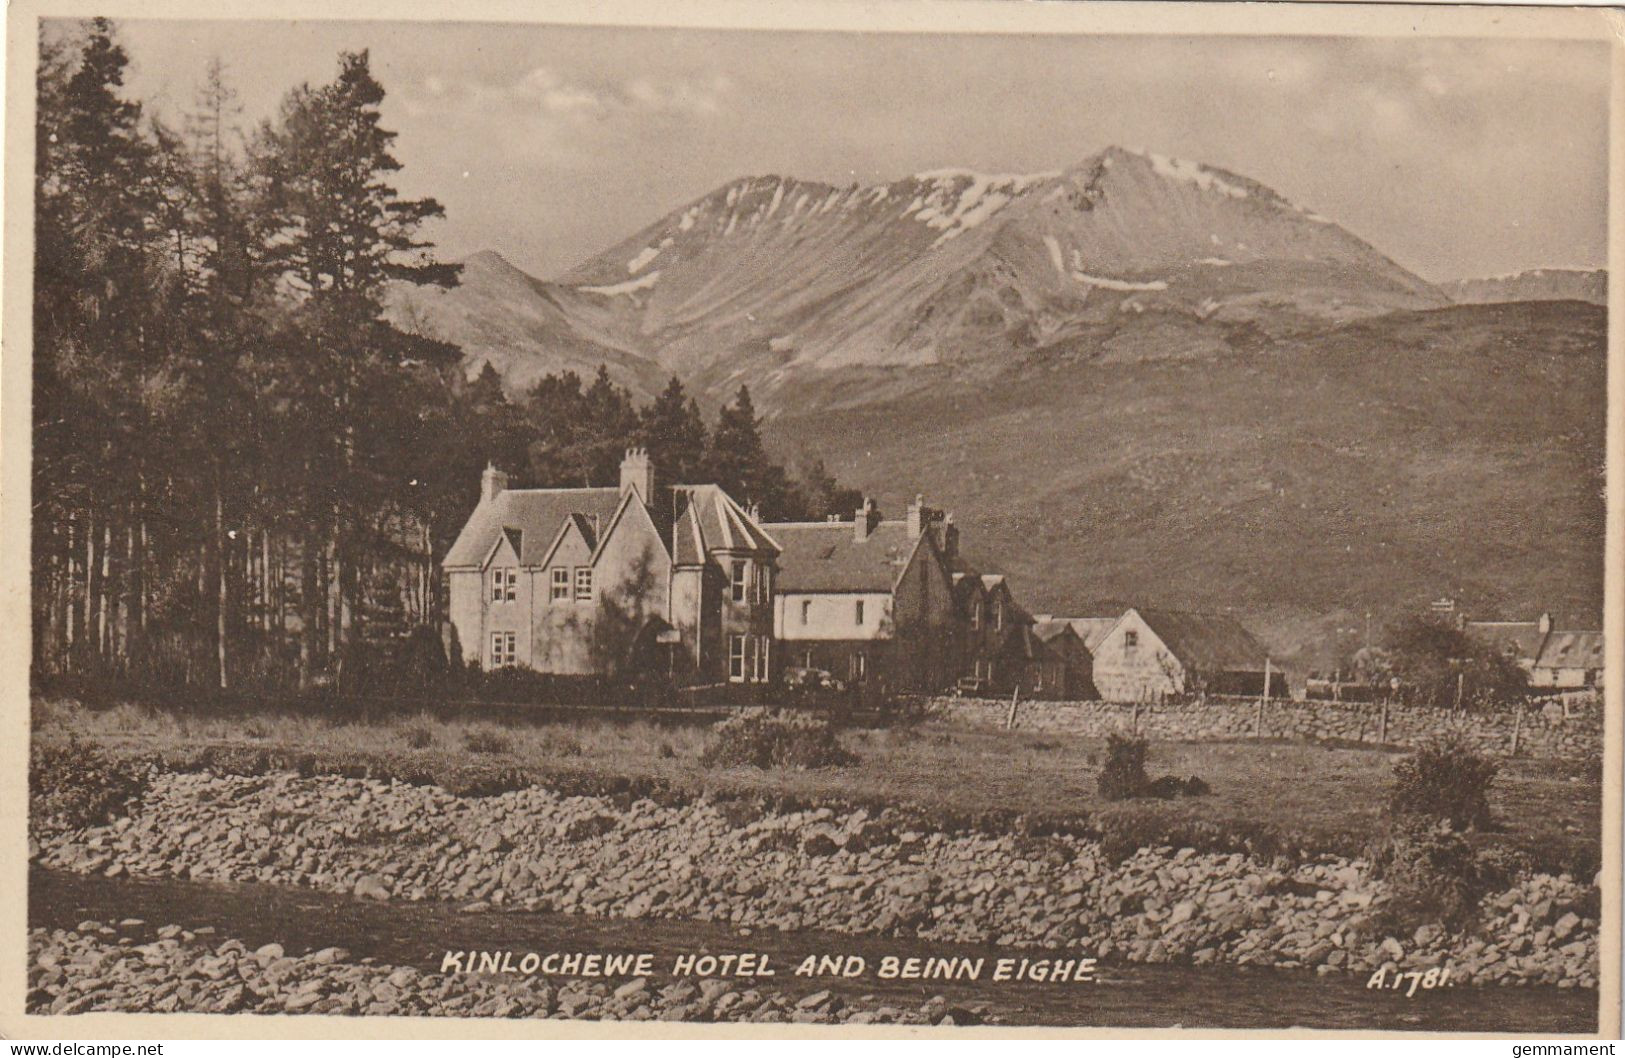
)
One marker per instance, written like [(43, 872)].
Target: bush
[(1124, 774), (1444, 779), (76, 785), (479, 740), (766, 738), (419, 736), (1433, 875)]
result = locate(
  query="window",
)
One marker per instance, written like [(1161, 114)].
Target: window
[(857, 612), (736, 658), (764, 585), (1131, 639), (976, 614), (998, 613), (503, 649), (504, 585), (739, 574), (806, 610), (759, 672), (583, 583), (561, 584)]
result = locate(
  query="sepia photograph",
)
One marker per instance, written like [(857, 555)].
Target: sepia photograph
[(869, 518)]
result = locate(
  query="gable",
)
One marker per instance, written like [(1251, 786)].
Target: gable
[(572, 545), (504, 550), (631, 524)]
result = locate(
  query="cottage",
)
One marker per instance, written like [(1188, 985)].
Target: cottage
[(614, 581), (869, 601), (1519, 641), (1077, 663), (1152, 654), (1568, 660)]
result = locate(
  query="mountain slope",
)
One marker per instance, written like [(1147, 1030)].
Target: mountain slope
[(526, 328), (1540, 284), (1301, 481)]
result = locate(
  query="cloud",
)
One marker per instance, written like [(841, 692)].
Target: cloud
[(544, 90)]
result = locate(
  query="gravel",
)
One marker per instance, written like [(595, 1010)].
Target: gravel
[(853, 872)]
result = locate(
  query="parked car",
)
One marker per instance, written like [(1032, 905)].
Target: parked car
[(807, 679)]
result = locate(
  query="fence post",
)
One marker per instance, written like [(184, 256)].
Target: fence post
[(1010, 719), (1382, 725), (1258, 720), (1517, 728)]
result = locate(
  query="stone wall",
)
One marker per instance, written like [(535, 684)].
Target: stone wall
[(1543, 731)]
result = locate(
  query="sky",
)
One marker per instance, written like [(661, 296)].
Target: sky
[(1455, 157)]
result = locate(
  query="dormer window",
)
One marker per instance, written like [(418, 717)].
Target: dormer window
[(857, 612), (583, 584), (806, 611), (504, 584), (998, 613), (1131, 639), (976, 614), (739, 578)]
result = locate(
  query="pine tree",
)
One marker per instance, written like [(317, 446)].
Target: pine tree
[(673, 431)]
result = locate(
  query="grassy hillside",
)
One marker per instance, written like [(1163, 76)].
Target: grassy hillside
[(1298, 481)]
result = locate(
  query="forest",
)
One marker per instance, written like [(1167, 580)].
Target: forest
[(242, 472)]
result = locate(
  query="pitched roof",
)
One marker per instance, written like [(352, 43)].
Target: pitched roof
[(1091, 629), (1571, 650), (720, 521), (1521, 639), (709, 519), (827, 556), (1024, 642), (536, 514), (1210, 642)]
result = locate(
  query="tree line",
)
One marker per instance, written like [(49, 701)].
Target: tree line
[(242, 470)]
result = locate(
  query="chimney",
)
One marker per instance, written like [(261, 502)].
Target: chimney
[(863, 521), (638, 473), (1545, 624), (950, 537), (916, 517), (492, 481)]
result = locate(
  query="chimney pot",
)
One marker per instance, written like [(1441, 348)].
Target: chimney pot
[(864, 520), (492, 482), (637, 473)]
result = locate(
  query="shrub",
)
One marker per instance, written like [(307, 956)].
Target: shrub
[(765, 738), (480, 740), (1124, 773), (666, 752), (76, 785), (1433, 875), (419, 736), (1444, 779)]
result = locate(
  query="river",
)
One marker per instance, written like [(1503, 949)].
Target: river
[(1132, 996)]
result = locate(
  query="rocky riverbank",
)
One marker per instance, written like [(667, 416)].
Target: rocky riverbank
[(852, 872), (99, 967)]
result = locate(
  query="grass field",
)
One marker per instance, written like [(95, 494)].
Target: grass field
[(1322, 797)]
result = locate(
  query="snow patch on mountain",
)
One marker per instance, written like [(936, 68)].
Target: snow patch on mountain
[(1105, 283), (1055, 254), (1193, 173), (637, 264), (628, 287)]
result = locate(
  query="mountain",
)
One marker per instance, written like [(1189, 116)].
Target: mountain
[(1302, 481), (525, 328), (799, 288), (1540, 284), (767, 279)]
